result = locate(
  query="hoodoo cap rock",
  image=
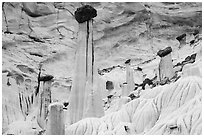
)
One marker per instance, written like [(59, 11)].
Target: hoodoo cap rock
[(46, 78), (85, 13), (127, 61), (179, 38), (164, 52)]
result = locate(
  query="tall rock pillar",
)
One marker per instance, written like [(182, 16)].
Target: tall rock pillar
[(44, 100), (129, 79), (84, 67)]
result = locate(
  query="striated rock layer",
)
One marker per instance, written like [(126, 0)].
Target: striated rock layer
[(176, 109)]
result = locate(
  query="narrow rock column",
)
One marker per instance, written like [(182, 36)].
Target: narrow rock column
[(84, 63), (55, 124), (165, 66), (44, 100), (38, 88), (129, 79), (93, 104)]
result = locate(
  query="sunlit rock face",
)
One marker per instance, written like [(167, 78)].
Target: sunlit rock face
[(170, 112), (45, 34)]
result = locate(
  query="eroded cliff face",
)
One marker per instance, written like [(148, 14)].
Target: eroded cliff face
[(42, 36)]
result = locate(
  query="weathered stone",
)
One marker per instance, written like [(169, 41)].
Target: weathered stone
[(46, 78), (127, 61), (164, 52), (165, 66), (109, 96), (129, 79), (44, 101), (34, 9), (55, 125), (109, 85), (85, 13), (179, 38), (85, 98)]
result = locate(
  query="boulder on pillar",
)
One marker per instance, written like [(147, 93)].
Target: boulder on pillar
[(166, 71), (164, 52), (85, 13), (44, 100), (127, 61), (129, 78)]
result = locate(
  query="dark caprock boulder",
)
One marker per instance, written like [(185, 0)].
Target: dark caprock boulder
[(164, 52), (179, 38), (46, 78), (109, 85), (127, 61), (109, 96), (85, 13)]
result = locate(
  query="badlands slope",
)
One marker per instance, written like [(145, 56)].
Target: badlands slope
[(45, 34)]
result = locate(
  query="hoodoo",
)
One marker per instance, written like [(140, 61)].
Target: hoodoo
[(83, 82), (44, 100), (165, 66), (129, 79)]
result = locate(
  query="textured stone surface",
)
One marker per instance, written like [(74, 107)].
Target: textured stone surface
[(170, 111)]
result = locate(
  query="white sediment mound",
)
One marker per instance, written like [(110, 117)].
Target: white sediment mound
[(176, 109)]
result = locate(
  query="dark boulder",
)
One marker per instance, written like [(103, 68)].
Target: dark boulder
[(135, 88), (192, 42), (109, 96), (109, 85), (139, 69), (85, 13), (164, 52), (146, 81), (66, 104), (46, 78), (179, 38), (127, 61)]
